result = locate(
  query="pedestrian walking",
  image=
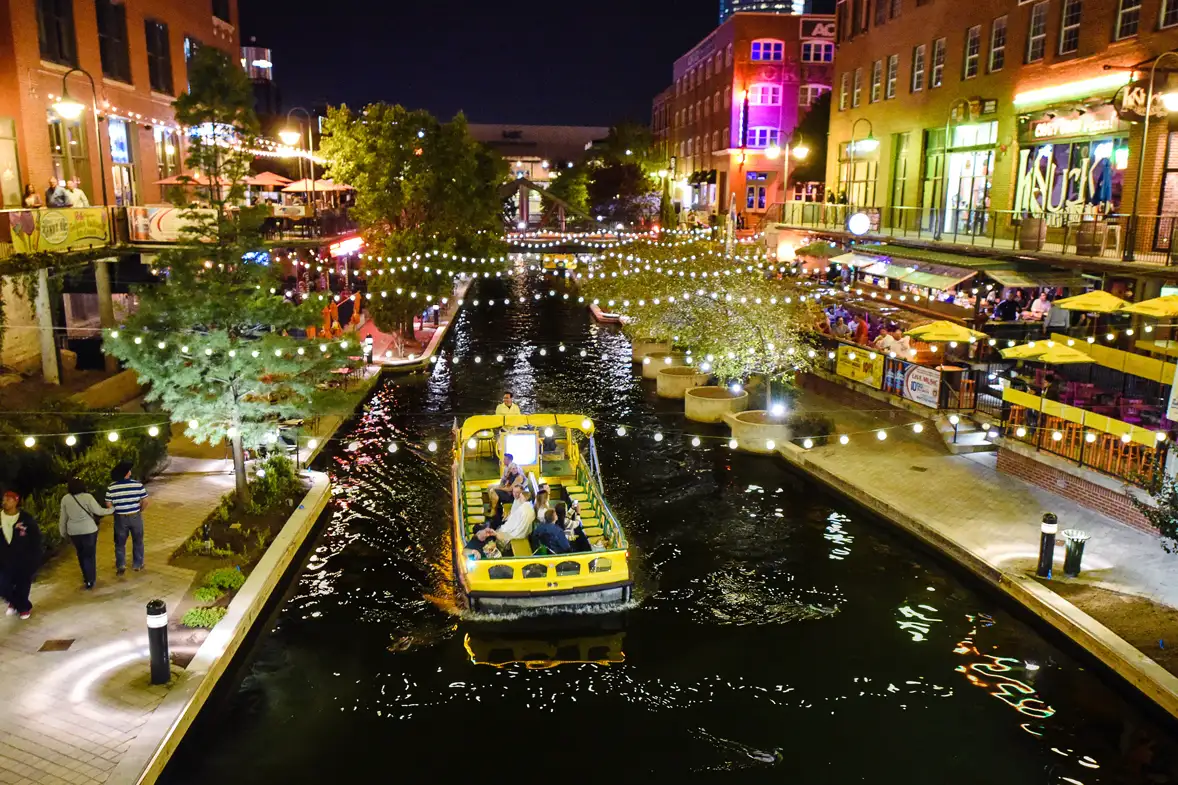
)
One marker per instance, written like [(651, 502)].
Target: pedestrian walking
[(80, 513), (20, 554), (129, 497)]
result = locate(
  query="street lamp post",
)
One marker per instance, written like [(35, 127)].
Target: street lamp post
[(291, 136), (71, 109), (1171, 103), (869, 143)]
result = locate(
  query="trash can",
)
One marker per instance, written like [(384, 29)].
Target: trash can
[(1074, 551)]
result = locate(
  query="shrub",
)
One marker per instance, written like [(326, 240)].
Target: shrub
[(203, 618), (226, 578), (278, 483), (810, 426), (208, 594)]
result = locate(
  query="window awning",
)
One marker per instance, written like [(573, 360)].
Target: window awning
[(942, 280), (855, 260), (1037, 280), (885, 270)]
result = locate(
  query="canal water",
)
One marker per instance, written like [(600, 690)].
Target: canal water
[(776, 635)]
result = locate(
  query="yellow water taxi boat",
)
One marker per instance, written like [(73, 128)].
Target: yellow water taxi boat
[(553, 449)]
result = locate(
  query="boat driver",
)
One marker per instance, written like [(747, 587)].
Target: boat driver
[(502, 493)]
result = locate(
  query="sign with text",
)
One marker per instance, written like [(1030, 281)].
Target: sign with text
[(922, 385), (159, 223), (858, 365), (1102, 120), (63, 229), (818, 28)]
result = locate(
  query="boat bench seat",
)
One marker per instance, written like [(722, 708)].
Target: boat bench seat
[(592, 531), (521, 548), (579, 497)]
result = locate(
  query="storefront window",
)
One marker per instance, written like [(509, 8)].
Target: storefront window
[(956, 189), (122, 162), (1071, 165), (70, 155)]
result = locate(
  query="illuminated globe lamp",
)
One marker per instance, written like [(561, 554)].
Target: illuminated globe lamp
[(1169, 101), (68, 108), (859, 224), (290, 136)]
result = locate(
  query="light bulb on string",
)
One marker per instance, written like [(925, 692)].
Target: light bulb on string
[(71, 440), (695, 441), (113, 436)]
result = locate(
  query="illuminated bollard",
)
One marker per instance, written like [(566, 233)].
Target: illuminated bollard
[(157, 641), (1047, 544)]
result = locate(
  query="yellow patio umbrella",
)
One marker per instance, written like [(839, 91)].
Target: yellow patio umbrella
[(1026, 351), (1092, 302), (1159, 307), (944, 332), (1063, 355)]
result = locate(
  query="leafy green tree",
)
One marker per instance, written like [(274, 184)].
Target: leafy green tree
[(1161, 511), (421, 186), (211, 343), (572, 187)]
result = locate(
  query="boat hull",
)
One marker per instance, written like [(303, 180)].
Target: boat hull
[(510, 602)]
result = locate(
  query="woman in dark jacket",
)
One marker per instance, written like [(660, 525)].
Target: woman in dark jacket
[(20, 554)]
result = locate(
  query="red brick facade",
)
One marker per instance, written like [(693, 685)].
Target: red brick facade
[(29, 83), (1083, 492)]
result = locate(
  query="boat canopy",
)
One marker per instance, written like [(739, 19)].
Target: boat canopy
[(483, 422)]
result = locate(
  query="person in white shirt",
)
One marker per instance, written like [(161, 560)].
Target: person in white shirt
[(519, 523), (507, 407), (75, 194)]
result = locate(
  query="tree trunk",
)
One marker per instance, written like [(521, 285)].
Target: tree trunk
[(242, 484)]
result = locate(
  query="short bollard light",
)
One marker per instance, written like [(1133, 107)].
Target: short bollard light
[(1047, 531), (1074, 551), (157, 641)]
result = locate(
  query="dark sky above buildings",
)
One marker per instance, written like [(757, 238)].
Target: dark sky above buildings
[(554, 62)]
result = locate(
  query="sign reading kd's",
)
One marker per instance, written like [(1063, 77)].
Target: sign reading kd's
[(817, 28)]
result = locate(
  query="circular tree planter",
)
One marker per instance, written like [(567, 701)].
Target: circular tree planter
[(639, 349), (754, 430), (674, 381), (653, 363), (710, 404)]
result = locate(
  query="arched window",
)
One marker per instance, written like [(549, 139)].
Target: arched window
[(688, 148), (715, 140), (767, 50), (817, 52), (727, 97), (716, 103)]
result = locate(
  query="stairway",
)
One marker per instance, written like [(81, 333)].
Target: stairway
[(970, 437)]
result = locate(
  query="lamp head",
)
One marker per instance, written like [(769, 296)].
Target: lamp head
[(68, 108), (290, 136), (1170, 101), (801, 151), (868, 145), (773, 152)]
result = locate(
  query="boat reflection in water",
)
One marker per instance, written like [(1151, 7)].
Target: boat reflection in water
[(540, 648)]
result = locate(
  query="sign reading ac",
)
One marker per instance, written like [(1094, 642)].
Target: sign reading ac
[(816, 28)]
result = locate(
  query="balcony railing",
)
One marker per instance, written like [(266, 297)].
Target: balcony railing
[(1114, 237)]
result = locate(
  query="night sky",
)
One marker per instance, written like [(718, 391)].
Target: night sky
[(554, 62)]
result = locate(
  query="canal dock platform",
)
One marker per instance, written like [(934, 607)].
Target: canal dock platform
[(989, 522)]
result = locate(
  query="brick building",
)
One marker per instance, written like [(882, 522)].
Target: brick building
[(136, 53), (735, 101), (1040, 102)]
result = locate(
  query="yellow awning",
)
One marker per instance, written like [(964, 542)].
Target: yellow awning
[(484, 422)]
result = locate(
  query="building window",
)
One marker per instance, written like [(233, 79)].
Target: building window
[(918, 54), (708, 68), (690, 115), (857, 92), (761, 137), (1169, 13), (727, 97), (689, 148), (973, 51), (221, 10), (112, 40), (895, 11), (765, 95), (998, 44), (716, 102), (1037, 33), (809, 93), (755, 199), (707, 108), (881, 11), (768, 50), (55, 28), (844, 91), (167, 151), (159, 57), (69, 151), (1069, 27), (876, 80), (715, 140), (937, 74), (893, 76), (1128, 18), (728, 55), (817, 52)]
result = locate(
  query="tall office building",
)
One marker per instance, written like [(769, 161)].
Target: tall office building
[(730, 7)]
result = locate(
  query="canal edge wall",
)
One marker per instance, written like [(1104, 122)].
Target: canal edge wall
[(1141, 672), (147, 756)]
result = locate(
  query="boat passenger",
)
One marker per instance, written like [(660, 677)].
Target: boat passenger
[(501, 493), (541, 504), (508, 406), (570, 521), (550, 535), (519, 522)]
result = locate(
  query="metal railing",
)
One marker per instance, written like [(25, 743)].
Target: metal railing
[(1141, 238)]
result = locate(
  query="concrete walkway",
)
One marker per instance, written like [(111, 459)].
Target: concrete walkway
[(994, 516)]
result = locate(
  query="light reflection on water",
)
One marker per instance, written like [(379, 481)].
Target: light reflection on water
[(776, 634)]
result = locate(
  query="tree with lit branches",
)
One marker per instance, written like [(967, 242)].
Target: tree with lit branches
[(211, 343)]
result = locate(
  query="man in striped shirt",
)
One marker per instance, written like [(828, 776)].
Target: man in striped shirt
[(129, 497)]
